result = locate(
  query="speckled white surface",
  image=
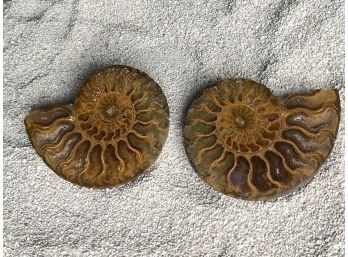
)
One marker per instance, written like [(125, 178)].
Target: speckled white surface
[(49, 48)]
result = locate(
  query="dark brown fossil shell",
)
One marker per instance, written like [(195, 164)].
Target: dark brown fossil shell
[(114, 131), (247, 143)]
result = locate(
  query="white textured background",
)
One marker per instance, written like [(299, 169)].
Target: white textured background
[(51, 46)]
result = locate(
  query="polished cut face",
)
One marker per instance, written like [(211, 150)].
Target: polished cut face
[(114, 131), (247, 143)]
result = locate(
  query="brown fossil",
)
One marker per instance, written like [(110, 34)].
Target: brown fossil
[(114, 131), (247, 143)]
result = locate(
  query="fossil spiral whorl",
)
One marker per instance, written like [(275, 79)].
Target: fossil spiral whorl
[(114, 131), (247, 143)]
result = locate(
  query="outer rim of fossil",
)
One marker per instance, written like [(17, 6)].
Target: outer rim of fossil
[(94, 142), (290, 190)]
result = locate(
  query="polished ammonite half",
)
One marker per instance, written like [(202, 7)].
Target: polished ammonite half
[(247, 143), (114, 131)]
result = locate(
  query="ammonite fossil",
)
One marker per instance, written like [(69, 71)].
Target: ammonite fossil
[(114, 131), (247, 143)]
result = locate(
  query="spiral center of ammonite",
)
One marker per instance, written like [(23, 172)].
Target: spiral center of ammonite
[(117, 109), (114, 113), (239, 127), (240, 122), (245, 129), (106, 117), (111, 111), (236, 120)]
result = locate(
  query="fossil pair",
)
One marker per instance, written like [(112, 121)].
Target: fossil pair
[(241, 140)]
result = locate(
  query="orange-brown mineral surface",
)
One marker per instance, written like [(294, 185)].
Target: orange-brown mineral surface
[(114, 131), (247, 143)]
